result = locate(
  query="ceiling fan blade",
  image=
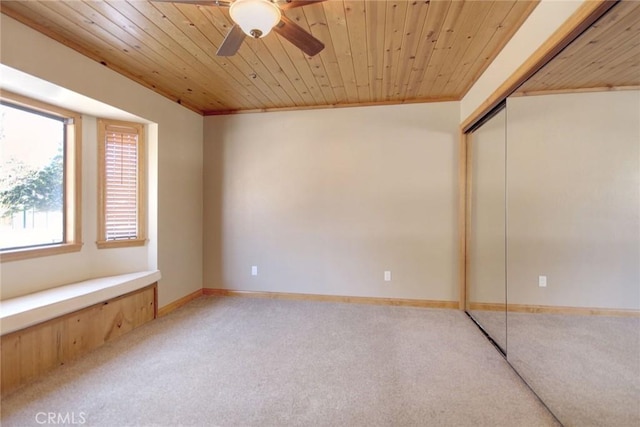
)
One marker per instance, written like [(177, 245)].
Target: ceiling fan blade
[(231, 42), (290, 4), (298, 36), (221, 3)]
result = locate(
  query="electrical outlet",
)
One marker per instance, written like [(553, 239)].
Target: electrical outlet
[(542, 281), (254, 270), (387, 276)]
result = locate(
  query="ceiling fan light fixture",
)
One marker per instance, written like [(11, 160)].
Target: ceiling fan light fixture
[(256, 18)]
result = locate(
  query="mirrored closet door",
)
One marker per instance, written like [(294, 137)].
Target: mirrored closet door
[(573, 252), (570, 214), (486, 292)]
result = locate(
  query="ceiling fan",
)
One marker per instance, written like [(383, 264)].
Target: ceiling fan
[(256, 18)]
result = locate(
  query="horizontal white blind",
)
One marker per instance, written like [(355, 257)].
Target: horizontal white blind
[(121, 183)]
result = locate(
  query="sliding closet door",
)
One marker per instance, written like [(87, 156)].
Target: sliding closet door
[(486, 293), (573, 253)]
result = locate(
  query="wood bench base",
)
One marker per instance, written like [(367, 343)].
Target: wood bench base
[(30, 352)]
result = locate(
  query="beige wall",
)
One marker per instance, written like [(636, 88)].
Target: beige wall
[(486, 251), (176, 242), (573, 183), (324, 201), (374, 191)]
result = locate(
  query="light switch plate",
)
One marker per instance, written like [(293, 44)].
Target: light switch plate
[(542, 281)]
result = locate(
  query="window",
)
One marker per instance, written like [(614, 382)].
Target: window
[(39, 179), (121, 188)]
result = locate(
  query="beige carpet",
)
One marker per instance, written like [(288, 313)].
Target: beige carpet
[(585, 368), (494, 323), (257, 362)]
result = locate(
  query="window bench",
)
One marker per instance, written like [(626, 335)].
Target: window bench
[(48, 328)]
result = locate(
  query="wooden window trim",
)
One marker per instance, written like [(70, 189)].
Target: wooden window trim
[(73, 183), (141, 240)]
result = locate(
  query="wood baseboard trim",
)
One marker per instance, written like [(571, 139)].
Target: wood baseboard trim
[(333, 298), (485, 306), (179, 303), (551, 309)]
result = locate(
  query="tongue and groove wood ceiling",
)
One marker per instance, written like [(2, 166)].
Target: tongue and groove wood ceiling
[(377, 51), (605, 56)]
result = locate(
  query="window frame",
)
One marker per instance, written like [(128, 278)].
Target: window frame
[(72, 205), (141, 239)]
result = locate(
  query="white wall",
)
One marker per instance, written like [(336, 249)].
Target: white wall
[(573, 199), (323, 201), (545, 19), (179, 171)]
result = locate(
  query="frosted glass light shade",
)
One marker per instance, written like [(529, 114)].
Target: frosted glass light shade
[(255, 17)]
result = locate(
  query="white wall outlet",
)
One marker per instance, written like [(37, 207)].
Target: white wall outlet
[(254, 270), (387, 276), (542, 281)]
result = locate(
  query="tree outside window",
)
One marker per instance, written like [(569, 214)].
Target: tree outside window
[(31, 178)]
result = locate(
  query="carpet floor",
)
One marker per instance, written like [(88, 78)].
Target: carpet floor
[(245, 362), (494, 323), (585, 368)]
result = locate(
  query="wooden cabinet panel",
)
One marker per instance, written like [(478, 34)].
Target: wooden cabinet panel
[(30, 352)]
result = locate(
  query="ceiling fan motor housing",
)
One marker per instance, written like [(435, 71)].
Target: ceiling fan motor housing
[(256, 18)]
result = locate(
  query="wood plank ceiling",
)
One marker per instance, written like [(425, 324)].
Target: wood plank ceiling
[(605, 56), (377, 51)]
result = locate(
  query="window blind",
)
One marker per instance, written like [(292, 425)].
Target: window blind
[(121, 183)]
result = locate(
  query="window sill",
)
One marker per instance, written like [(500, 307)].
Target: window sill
[(108, 244), (27, 253)]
